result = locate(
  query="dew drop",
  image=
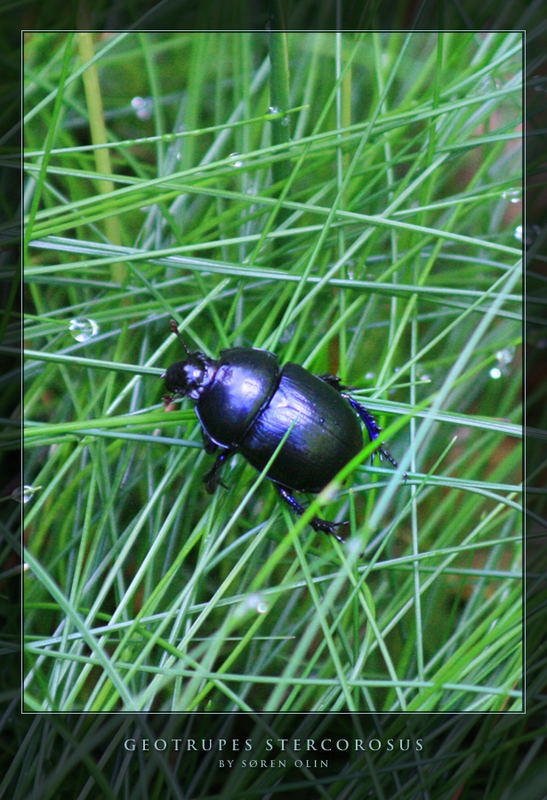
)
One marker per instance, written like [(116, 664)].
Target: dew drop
[(236, 160), (350, 269), (504, 358), (273, 111), (506, 355), (142, 106), (513, 195), (369, 376), (528, 234), (83, 329), (23, 494), (254, 602)]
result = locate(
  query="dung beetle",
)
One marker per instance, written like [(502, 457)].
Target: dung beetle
[(246, 403)]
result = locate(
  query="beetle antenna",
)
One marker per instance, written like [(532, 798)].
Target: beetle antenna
[(175, 329)]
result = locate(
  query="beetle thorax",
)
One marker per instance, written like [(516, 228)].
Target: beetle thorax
[(190, 377)]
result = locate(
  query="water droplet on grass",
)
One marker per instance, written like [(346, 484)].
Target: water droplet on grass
[(253, 602), (83, 329), (23, 494), (506, 355), (142, 106), (513, 195)]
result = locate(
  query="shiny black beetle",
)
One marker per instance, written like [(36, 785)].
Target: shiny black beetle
[(246, 403)]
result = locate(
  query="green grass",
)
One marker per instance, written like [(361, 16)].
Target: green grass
[(367, 230)]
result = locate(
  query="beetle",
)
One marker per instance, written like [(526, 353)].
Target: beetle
[(246, 402)]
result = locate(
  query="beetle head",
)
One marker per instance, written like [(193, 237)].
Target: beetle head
[(189, 377)]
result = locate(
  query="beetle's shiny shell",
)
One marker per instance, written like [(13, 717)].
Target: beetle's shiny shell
[(325, 435), (251, 404), (244, 381)]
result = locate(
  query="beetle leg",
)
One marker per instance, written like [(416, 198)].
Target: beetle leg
[(317, 523), (334, 381), (211, 479), (373, 429)]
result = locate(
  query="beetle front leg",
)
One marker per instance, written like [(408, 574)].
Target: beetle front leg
[(211, 479), (317, 523)]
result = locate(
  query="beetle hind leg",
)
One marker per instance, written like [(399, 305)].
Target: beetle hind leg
[(373, 429), (334, 381), (317, 523)]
